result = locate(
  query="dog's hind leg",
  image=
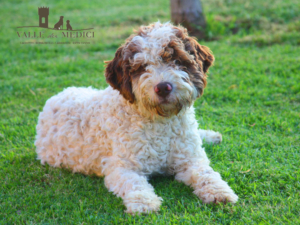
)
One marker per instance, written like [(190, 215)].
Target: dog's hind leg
[(210, 136)]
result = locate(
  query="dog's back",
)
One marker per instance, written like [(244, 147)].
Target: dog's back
[(65, 130)]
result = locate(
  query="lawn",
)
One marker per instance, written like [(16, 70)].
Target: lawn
[(252, 98)]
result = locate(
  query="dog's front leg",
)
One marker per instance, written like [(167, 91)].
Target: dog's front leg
[(137, 194), (191, 166), (208, 184)]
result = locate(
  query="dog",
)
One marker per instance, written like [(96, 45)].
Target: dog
[(142, 124), (69, 27), (59, 24)]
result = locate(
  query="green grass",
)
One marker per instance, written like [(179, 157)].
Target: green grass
[(252, 98)]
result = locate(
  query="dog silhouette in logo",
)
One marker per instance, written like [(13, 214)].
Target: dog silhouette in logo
[(69, 27), (59, 24)]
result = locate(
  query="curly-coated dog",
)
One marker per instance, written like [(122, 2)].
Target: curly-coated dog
[(142, 124)]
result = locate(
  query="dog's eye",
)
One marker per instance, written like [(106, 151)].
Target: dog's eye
[(177, 62)]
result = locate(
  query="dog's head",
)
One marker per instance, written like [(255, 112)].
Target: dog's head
[(160, 68)]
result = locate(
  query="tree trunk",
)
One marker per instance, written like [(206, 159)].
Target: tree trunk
[(189, 13)]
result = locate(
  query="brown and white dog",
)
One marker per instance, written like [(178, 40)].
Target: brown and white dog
[(142, 124)]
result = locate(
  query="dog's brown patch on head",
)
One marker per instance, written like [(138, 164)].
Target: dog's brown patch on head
[(167, 54), (121, 71), (190, 56), (144, 30)]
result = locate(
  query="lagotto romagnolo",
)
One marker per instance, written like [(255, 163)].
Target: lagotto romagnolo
[(142, 124)]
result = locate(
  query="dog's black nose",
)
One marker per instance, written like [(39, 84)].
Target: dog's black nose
[(163, 89)]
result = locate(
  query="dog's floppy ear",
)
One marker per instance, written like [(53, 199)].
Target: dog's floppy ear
[(118, 76), (203, 59), (205, 55)]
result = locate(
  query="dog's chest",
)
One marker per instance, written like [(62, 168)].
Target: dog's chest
[(156, 147)]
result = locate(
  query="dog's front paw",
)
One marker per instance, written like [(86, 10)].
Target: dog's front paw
[(215, 138), (214, 194), (142, 202), (210, 136)]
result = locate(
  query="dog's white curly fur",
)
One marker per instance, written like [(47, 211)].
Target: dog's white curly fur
[(210, 136), (100, 132)]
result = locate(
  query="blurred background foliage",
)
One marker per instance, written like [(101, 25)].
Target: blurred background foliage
[(256, 21)]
